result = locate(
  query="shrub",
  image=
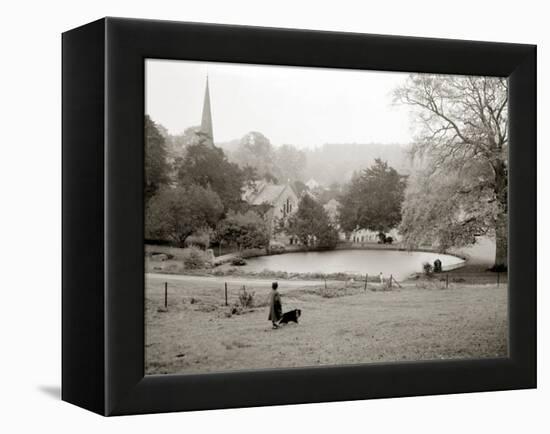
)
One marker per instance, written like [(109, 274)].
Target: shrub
[(194, 258), (328, 292), (428, 268), (199, 239), (245, 230), (389, 240), (276, 248), (238, 261), (246, 299)]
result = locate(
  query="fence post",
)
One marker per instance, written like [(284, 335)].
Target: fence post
[(226, 293), (325, 283), (165, 295), (498, 279), (391, 278), (366, 280), (447, 281)]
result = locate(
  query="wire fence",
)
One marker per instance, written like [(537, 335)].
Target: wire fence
[(226, 293)]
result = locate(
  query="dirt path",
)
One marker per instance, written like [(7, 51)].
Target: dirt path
[(234, 280)]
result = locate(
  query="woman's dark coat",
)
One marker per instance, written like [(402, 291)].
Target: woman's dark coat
[(275, 307)]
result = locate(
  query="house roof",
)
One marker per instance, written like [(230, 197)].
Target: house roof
[(270, 194), (266, 193)]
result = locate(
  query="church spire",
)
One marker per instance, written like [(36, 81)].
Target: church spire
[(206, 123)]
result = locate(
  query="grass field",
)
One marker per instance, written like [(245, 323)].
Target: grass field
[(339, 325)]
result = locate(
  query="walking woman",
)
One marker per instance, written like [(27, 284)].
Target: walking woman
[(275, 307)]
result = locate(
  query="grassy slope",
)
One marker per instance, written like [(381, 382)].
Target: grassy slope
[(421, 321)]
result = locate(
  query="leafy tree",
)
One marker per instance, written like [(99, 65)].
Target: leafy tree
[(178, 143), (311, 224), (290, 163), (249, 177), (255, 150), (208, 167), (373, 199), (244, 230), (173, 214), (272, 164), (462, 135), (430, 211), (156, 167)]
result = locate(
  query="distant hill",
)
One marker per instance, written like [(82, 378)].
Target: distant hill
[(336, 162), (327, 164)]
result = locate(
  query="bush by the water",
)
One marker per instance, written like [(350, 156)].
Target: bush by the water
[(276, 248), (428, 268), (238, 261), (194, 259), (383, 239)]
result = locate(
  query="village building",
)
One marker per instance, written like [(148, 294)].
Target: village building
[(281, 201), (360, 236)]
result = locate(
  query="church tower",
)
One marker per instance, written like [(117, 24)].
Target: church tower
[(206, 133)]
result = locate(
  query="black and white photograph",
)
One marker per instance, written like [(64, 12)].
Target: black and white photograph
[(299, 217), (275, 217)]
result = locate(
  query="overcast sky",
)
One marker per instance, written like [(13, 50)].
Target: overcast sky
[(306, 107)]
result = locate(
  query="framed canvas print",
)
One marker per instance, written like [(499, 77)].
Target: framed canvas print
[(257, 216)]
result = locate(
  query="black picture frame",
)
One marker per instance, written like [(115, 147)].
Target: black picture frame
[(103, 266)]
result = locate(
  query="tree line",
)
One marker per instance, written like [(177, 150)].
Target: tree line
[(194, 196)]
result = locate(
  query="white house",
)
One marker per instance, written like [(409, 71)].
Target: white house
[(312, 184), (367, 236)]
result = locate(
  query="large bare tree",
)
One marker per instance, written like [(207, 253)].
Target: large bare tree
[(462, 137)]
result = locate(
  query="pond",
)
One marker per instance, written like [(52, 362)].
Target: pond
[(398, 263)]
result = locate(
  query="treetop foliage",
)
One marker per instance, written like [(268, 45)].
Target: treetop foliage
[(311, 224), (156, 166), (208, 167), (176, 213), (373, 199), (246, 230)]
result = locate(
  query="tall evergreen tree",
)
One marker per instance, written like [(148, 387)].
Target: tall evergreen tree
[(373, 199), (311, 224)]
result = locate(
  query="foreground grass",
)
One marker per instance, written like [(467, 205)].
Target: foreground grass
[(339, 325)]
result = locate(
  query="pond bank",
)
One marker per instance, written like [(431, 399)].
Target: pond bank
[(342, 263)]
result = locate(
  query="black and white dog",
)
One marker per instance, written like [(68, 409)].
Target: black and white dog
[(291, 315)]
